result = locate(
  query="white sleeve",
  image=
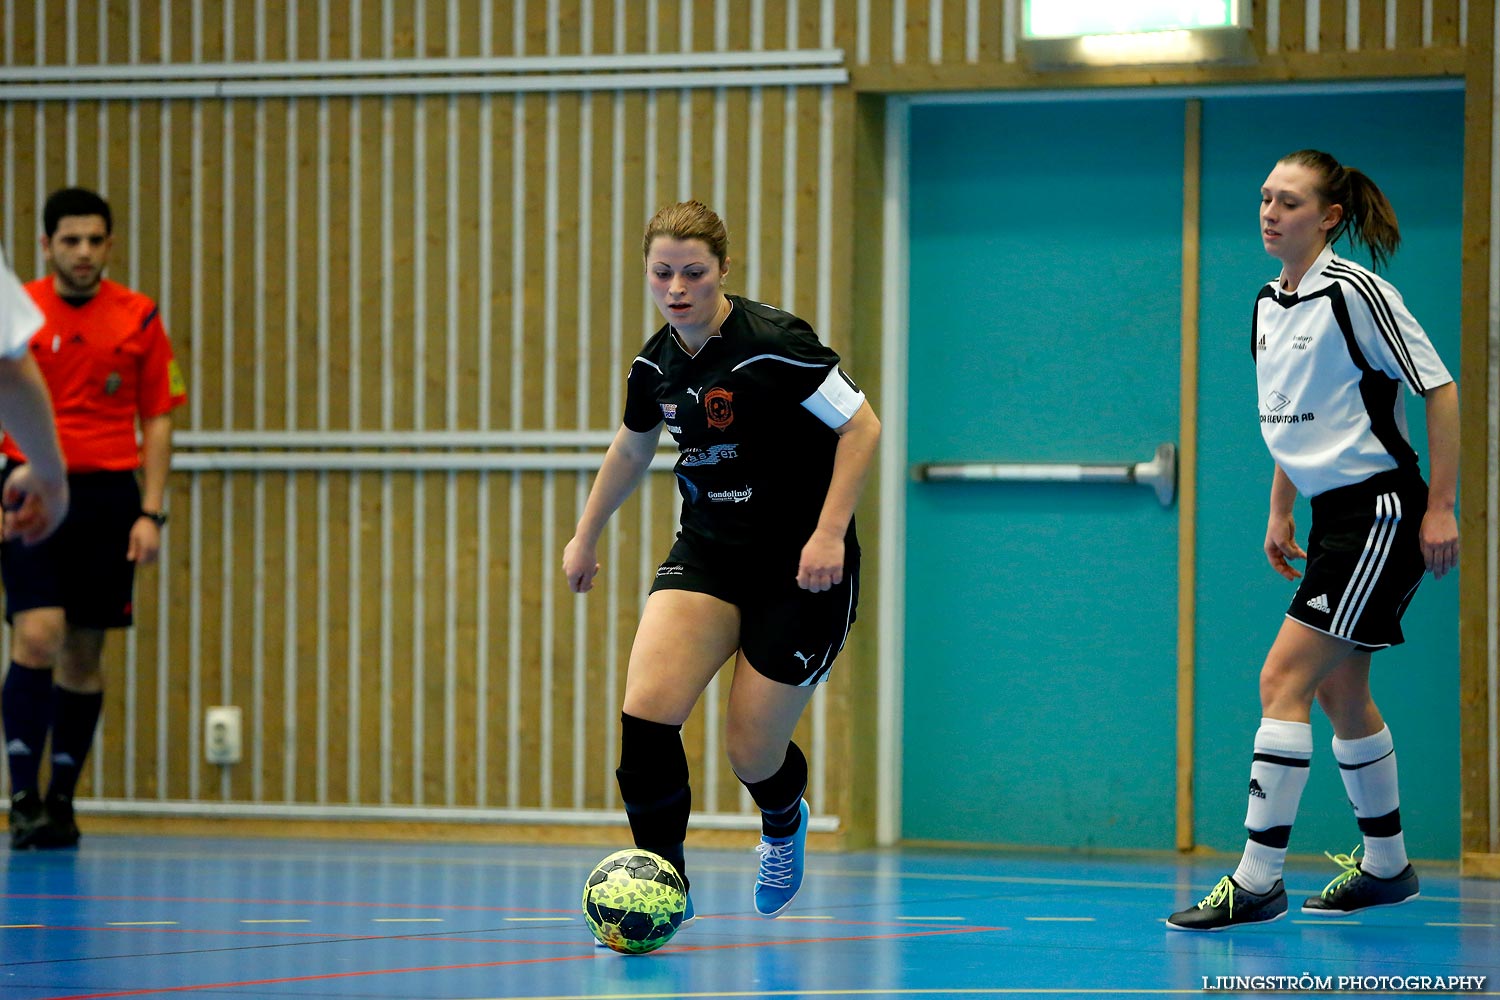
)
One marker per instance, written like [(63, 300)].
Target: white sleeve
[(835, 401), (1390, 335), (19, 316)]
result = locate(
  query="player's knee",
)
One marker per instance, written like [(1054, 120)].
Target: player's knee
[(1345, 703), (751, 755), (81, 677), (652, 760), (36, 641), (1283, 683)]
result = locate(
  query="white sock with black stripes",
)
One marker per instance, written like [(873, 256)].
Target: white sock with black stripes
[(1278, 774), (1368, 766)]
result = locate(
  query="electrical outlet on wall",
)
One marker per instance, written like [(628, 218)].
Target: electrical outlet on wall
[(221, 734)]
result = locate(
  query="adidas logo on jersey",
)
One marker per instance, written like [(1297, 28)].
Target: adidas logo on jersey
[(1256, 790), (18, 748), (1320, 603)]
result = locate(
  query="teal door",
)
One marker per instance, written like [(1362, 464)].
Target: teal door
[(1040, 625)]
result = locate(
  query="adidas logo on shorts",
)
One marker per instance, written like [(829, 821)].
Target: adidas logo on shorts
[(1320, 603)]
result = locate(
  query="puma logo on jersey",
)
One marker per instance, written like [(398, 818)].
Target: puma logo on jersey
[(1320, 603), (695, 393), (805, 658)]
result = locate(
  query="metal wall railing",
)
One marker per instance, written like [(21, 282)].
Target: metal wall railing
[(397, 256)]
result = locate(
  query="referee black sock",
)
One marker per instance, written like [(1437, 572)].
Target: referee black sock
[(75, 716), (653, 776), (26, 710), (780, 795)]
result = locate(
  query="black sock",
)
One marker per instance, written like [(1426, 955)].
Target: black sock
[(26, 710), (780, 795), (653, 776), (75, 715)]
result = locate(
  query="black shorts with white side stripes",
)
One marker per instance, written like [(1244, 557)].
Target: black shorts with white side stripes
[(1364, 559), (787, 634)]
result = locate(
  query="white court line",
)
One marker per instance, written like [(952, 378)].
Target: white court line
[(1335, 922), (1079, 920), (275, 921), (1434, 923)]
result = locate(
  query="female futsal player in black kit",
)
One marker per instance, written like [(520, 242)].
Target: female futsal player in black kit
[(774, 443)]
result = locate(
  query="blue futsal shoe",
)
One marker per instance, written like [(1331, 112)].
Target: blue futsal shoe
[(780, 868)]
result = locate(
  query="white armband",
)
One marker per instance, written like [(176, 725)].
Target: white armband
[(836, 400)]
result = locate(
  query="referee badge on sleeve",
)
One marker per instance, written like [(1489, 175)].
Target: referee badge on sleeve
[(176, 384)]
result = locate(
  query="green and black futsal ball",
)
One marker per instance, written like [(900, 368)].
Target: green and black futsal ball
[(634, 901)]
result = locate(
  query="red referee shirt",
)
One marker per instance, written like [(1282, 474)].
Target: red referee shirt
[(106, 363)]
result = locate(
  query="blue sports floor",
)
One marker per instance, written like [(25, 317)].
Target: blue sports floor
[(174, 917)]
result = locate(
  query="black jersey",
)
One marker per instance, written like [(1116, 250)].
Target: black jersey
[(754, 462)]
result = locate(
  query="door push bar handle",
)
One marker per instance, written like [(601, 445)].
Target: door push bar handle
[(1160, 473)]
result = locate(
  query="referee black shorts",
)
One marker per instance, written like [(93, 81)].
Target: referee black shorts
[(81, 567), (1364, 559), (788, 634)]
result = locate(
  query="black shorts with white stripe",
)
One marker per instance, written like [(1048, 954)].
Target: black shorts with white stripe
[(787, 634), (1364, 559)]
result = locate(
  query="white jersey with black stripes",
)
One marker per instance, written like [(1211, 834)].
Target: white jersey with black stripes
[(19, 316), (1329, 361)]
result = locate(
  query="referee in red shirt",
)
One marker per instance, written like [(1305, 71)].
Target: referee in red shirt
[(106, 359)]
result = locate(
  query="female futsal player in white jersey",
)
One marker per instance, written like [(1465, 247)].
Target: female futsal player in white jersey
[(1333, 343), (774, 445)]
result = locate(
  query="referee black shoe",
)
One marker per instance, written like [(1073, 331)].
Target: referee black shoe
[(60, 828), (1354, 890), (27, 817), (1230, 905)]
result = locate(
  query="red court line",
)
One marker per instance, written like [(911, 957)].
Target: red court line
[(933, 932), (324, 977), (278, 902), (462, 938), (354, 904), (845, 921), (229, 932)]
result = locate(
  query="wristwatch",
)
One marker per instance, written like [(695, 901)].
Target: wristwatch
[(159, 516)]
